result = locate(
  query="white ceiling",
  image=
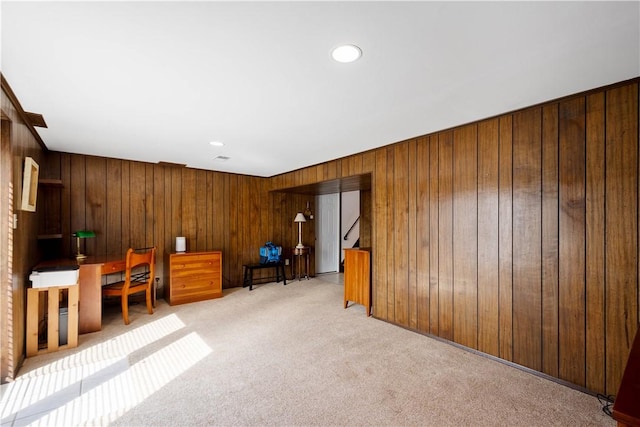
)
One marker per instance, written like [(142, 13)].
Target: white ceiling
[(156, 81)]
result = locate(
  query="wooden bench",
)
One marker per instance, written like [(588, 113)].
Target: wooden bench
[(626, 408), (249, 268)]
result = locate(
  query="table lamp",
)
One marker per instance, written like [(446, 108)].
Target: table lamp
[(299, 219), (82, 234)]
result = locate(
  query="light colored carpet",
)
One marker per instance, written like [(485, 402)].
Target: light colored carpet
[(283, 355)]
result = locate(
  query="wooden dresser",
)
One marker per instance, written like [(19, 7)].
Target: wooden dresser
[(193, 276)]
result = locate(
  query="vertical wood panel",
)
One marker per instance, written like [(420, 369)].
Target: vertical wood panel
[(137, 196), (527, 265), (159, 220), (621, 257), (550, 240), (234, 243), (434, 236), (168, 211), (488, 237), (368, 161), (226, 236), (176, 206), (572, 242), (379, 288), (390, 253), (209, 197), (423, 236), (218, 210), (465, 236), (114, 207), (149, 204), (366, 218), (201, 210), (244, 222), (96, 200), (65, 199), (413, 235), (401, 233), (505, 229), (125, 231), (331, 169), (189, 209), (78, 196), (595, 234), (445, 236)]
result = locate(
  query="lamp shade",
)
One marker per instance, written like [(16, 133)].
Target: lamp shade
[(299, 218), (83, 234)]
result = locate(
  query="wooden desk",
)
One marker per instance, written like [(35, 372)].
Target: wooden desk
[(90, 286), (297, 253)]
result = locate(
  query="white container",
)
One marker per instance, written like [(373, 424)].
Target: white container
[(46, 279), (181, 244)]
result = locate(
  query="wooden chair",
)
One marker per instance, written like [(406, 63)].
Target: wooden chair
[(136, 280)]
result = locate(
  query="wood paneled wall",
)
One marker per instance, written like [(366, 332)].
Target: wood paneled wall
[(19, 248), (135, 204), (518, 236)]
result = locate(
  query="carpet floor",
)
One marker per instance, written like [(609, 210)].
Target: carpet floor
[(279, 356)]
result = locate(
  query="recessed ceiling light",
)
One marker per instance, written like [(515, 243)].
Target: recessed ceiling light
[(217, 143), (346, 53)]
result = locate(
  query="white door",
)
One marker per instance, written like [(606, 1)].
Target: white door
[(327, 233)]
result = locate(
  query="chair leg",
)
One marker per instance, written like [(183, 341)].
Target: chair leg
[(125, 309), (149, 303)]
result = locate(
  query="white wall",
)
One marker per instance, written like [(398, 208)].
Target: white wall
[(350, 212)]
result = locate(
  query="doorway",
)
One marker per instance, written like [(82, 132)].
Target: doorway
[(327, 233)]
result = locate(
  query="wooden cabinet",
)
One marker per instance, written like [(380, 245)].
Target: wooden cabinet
[(357, 277), (193, 276)]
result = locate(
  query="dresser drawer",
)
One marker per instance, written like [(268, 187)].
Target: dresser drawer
[(194, 276)]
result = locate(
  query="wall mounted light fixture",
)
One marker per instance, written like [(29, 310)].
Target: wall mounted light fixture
[(307, 212)]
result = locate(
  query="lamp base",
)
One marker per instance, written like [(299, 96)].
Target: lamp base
[(80, 257)]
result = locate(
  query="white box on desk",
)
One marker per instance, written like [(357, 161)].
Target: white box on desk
[(46, 279)]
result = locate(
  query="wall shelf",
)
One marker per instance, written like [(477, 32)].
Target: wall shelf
[(49, 236), (50, 182)]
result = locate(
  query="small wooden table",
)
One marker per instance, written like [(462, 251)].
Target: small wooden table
[(297, 253), (248, 273)]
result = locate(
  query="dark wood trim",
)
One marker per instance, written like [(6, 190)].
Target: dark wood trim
[(23, 115), (36, 119)]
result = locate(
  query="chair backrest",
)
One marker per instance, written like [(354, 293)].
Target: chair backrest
[(135, 259)]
